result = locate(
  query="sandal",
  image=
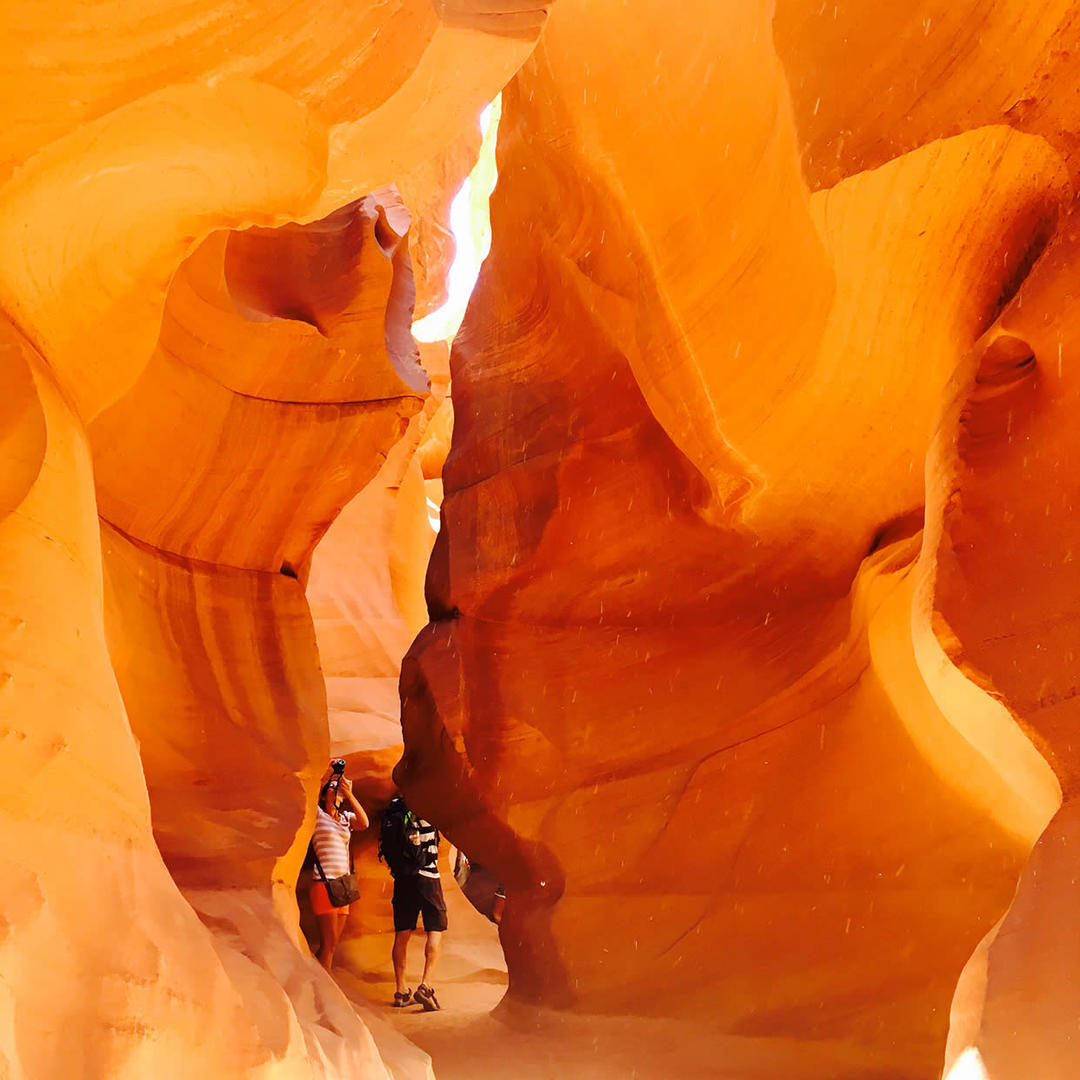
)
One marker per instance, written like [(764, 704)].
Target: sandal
[(426, 997), (401, 1000)]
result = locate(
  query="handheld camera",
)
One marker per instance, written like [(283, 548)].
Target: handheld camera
[(338, 770)]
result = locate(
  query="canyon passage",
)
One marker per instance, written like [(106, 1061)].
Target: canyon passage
[(645, 437)]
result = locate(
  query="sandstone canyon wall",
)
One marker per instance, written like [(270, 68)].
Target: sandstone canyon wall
[(745, 741), (750, 662), (207, 352)]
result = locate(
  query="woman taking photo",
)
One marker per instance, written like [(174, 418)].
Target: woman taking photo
[(333, 827)]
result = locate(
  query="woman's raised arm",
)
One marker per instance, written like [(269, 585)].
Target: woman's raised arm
[(360, 821)]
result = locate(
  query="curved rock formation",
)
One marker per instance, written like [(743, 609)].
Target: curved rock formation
[(773, 801), (926, 70), (429, 192), (1006, 498), (206, 338), (749, 666)]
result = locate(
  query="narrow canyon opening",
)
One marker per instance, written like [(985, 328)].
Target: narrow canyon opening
[(366, 592)]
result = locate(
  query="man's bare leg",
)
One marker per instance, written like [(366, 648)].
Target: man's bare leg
[(401, 944), (431, 955)]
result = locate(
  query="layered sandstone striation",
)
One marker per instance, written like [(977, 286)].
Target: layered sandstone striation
[(206, 293), (746, 654), (697, 683), (1005, 505)]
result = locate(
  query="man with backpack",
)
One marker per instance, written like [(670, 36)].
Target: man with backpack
[(410, 847)]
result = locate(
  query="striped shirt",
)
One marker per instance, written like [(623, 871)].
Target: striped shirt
[(331, 842), (427, 837)]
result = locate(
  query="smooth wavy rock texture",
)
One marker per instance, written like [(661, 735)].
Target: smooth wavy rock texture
[(206, 292), (746, 652), (751, 315)]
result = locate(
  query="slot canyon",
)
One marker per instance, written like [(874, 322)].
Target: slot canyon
[(640, 434)]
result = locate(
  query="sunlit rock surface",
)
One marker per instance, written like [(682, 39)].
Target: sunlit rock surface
[(1006, 501), (751, 658), (429, 192), (206, 296), (694, 683)]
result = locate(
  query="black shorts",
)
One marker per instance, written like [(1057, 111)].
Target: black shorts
[(415, 895)]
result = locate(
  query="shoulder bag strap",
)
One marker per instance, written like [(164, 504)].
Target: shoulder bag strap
[(322, 872)]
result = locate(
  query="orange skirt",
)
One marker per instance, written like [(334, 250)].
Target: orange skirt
[(320, 901)]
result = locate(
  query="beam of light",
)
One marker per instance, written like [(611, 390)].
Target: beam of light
[(470, 223), (433, 514), (969, 1066)]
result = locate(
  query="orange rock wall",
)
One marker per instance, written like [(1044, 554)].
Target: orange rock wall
[(202, 589), (205, 336), (750, 661), (366, 592), (1018, 636), (687, 685)]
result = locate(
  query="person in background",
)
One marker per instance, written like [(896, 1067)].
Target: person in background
[(410, 846), (475, 882), (333, 829)]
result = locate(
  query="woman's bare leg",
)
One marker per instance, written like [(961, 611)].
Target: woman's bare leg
[(329, 932)]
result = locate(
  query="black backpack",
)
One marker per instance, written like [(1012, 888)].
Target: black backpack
[(396, 849)]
